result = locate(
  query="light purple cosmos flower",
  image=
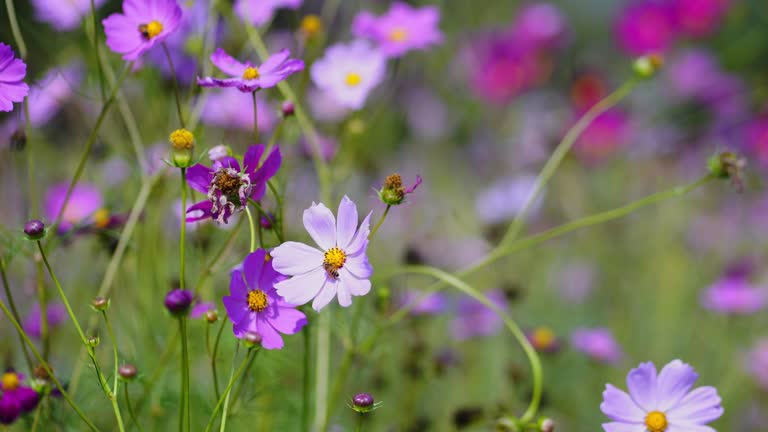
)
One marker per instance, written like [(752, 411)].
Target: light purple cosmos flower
[(229, 187), (63, 17), (597, 343), (142, 25), (12, 73), (339, 268), (757, 362), (349, 72), (734, 294), (229, 109), (258, 12), (55, 314), (645, 27), (255, 306), (429, 304), (474, 319), (505, 199), (661, 402), (540, 25), (247, 77), (84, 202), (402, 29)]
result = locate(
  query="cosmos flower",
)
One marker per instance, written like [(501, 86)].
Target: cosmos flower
[(540, 25), (402, 29), (258, 12), (142, 25), (349, 72), (229, 110), (63, 17), (339, 268), (229, 187), (12, 73), (200, 309), (543, 340), (54, 312), (757, 362), (646, 27), (247, 77), (597, 343), (734, 294), (661, 402), (699, 18), (16, 398), (84, 202), (474, 319), (255, 306)]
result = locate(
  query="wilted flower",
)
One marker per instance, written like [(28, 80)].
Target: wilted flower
[(255, 306), (258, 12), (734, 294), (247, 77), (349, 72), (661, 402), (142, 25), (81, 208), (475, 319), (402, 29), (55, 314), (646, 27), (63, 17), (12, 73), (339, 268), (393, 192), (597, 343), (228, 187)]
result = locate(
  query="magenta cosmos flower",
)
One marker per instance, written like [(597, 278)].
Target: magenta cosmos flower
[(246, 76), (12, 72), (258, 12), (402, 29), (254, 306), (349, 72), (734, 294), (699, 18), (339, 268), (646, 26), (16, 398), (63, 17), (661, 402), (597, 343), (84, 202), (142, 25), (55, 314), (229, 187)]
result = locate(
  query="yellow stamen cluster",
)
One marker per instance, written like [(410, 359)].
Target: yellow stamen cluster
[(9, 381), (353, 79), (182, 139), (311, 25), (101, 218), (257, 300), (251, 72), (656, 421), (151, 29), (398, 35), (334, 258), (543, 337)]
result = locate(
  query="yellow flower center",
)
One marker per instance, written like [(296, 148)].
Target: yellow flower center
[(656, 421), (182, 139), (257, 300), (101, 218), (10, 381), (543, 337), (152, 29), (353, 79), (251, 73), (311, 25), (334, 259), (398, 35)]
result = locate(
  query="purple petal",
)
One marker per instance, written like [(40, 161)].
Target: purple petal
[(617, 405), (274, 61), (237, 286), (360, 242), (199, 178), (674, 382), (236, 308), (252, 157), (321, 225), (698, 407), (346, 224), (269, 168), (299, 290), (294, 258), (359, 266), (227, 162), (325, 295), (252, 266), (288, 320), (356, 286), (204, 207), (227, 63), (270, 338), (623, 427), (642, 386)]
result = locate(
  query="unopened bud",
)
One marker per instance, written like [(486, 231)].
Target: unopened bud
[(727, 165), (18, 140), (648, 65), (393, 192), (93, 341), (127, 372), (252, 339), (288, 109), (183, 142), (178, 302), (547, 425), (363, 403), (100, 304), (211, 316), (34, 229)]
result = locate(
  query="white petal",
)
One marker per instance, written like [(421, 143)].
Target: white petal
[(294, 258), (325, 296), (357, 286), (299, 290), (321, 225), (641, 382), (346, 223)]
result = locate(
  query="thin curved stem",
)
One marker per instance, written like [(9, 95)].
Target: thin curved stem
[(114, 350), (233, 376), (183, 226), (213, 357), (130, 408), (252, 227), (381, 221), (175, 84), (12, 304), (15, 30), (184, 408)]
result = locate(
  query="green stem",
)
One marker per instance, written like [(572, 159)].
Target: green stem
[(213, 357), (184, 408), (96, 45), (175, 85), (130, 408), (15, 29), (42, 300), (217, 256), (306, 378), (562, 149), (381, 221), (255, 119), (114, 350), (183, 225), (233, 376), (360, 422), (274, 136), (12, 304), (241, 384), (253, 228), (279, 200), (118, 417)]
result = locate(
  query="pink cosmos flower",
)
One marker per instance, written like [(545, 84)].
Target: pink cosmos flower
[(349, 72), (699, 18), (339, 268), (475, 319), (228, 109), (12, 72), (646, 26), (63, 17), (597, 343), (402, 29), (142, 25), (84, 202), (246, 76), (540, 25), (258, 12), (734, 294)]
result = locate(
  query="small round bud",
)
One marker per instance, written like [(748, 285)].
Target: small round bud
[(100, 304), (93, 341), (252, 339), (211, 316), (648, 65), (547, 425), (34, 229), (288, 109), (363, 403), (311, 26), (127, 372), (267, 221), (183, 142), (393, 192), (219, 152), (178, 302)]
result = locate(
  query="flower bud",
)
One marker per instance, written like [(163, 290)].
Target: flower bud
[(211, 316), (219, 152), (178, 302), (547, 425), (34, 229), (183, 142), (727, 165), (127, 372), (288, 109), (100, 304), (267, 221), (393, 192), (40, 372), (363, 403), (93, 341), (252, 339), (648, 65), (311, 26)]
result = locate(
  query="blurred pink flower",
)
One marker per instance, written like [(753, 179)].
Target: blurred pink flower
[(646, 26), (698, 18), (540, 25), (597, 343), (403, 28), (258, 12), (230, 109), (734, 294), (474, 319), (603, 136)]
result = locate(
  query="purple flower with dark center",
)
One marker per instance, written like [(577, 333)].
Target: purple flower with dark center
[(142, 25), (661, 402), (63, 17), (474, 319), (12, 73), (402, 29), (646, 27), (248, 77), (16, 398), (597, 343), (339, 268), (81, 209), (55, 314), (258, 12), (229, 187), (734, 294), (255, 306)]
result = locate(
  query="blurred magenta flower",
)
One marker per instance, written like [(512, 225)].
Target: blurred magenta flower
[(142, 25), (55, 314), (12, 73), (505, 198), (402, 29), (229, 187), (603, 136), (258, 12), (255, 306), (229, 109), (474, 319), (646, 27), (349, 72), (247, 77), (84, 202), (16, 398), (699, 18), (539, 25), (734, 294), (597, 343), (64, 17), (757, 362), (431, 304), (756, 139), (339, 268), (661, 402)]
